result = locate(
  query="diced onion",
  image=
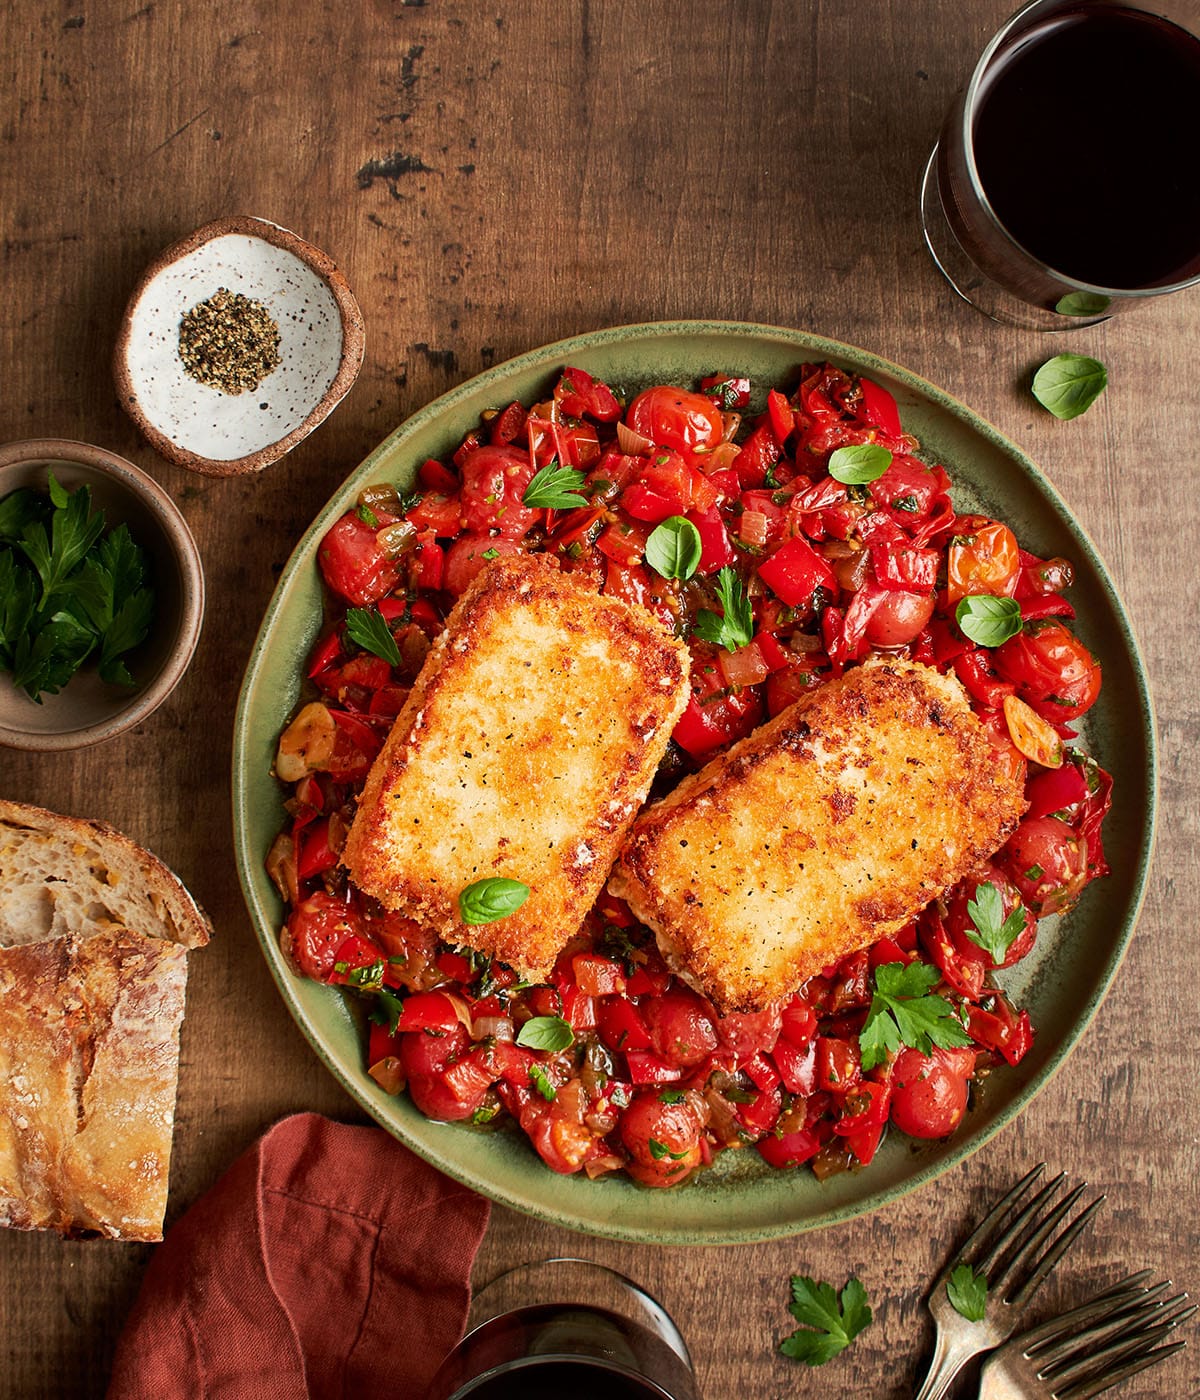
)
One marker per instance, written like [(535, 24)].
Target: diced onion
[(380, 495), (306, 745), (388, 1073), (631, 443), (461, 1009), (732, 421), (493, 1027), (397, 539), (281, 867), (1033, 736), (601, 1166)]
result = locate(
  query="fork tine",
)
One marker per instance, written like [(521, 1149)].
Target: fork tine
[(1123, 1348), (983, 1230), (1015, 1227), (1096, 1385), (1054, 1335), (1057, 1249), (1127, 1321)]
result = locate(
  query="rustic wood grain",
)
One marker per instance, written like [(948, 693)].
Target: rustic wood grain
[(491, 177)]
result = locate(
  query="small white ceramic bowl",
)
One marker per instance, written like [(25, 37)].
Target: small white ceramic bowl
[(321, 347), (86, 710)]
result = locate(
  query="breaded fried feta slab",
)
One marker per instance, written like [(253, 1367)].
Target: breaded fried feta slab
[(827, 828), (525, 750)]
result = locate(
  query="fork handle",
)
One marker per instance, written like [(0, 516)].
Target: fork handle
[(949, 1357)]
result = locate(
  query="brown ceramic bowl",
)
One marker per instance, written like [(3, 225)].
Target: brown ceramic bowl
[(87, 711), (321, 346)]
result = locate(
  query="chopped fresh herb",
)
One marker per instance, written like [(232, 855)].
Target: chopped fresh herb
[(67, 590), (367, 516), (989, 929), (488, 900), (906, 503), (736, 628), (988, 621), (1068, 385), (485, 1113), (659, 1150), (387, 1009), (671, 1096), (555, 488), (674, 548), (620, 1096), (905, 1012), (829, 1324), (541, 1082), (549, 1033), (857, 466), (368, 628), (369, 978), (1035, 872), (492, 553), (967, 1292)]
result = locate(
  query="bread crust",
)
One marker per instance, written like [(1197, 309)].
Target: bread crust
[(829, 827), (90, 1013), (525, 749)]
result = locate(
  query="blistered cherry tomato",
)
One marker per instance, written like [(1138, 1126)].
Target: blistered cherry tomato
[(929, 1092), (681, 1027), (676, 418), (1048, 863), (353, 564), (898, 618), (662, 1139), (437, 1084), (316, 929), (468, 555), (1052, 669), (493, 481), (982, 558), (958, 919)]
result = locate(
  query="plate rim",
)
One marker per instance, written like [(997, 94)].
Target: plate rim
[(952, 1152)]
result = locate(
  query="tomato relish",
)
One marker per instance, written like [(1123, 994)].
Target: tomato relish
[(786, 545)]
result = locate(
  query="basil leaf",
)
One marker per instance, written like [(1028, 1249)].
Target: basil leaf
[(555, 488), (1068, 385), (674, 548), (488, 900), (368, 627), (1082, 304), (856, 466), (988, 621), (546, 1033), (541, 1082)]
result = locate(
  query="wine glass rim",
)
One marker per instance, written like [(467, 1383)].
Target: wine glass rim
[(970, 102)]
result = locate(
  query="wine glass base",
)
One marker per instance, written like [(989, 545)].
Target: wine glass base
[(974, 286)]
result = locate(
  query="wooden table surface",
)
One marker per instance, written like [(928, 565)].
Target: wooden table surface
[(491, 177)]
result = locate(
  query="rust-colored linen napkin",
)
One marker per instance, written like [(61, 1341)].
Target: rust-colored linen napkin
[(328, 1261)]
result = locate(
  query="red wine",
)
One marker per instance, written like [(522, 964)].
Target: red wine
[(1086, 134), (558, 1379)]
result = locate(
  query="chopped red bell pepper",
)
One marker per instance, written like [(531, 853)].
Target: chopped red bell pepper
[(598, 976), (316, 854), (795, 571), (876, 406), (788, 1149), (621, 1026), (645, 1067), (907, 568), (727, 391), (716, 548), (797, 1065), (428, 1011)]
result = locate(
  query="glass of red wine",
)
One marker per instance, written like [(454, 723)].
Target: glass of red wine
[(567, 1329), (1062, 188)]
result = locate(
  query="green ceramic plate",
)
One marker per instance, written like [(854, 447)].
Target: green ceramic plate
[(1062, 983)]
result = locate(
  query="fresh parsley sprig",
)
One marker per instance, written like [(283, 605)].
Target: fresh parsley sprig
[(904, 1011), (68, 590), (967, 1292), (829, 1322), (989, 929), (555, 488), (368, 627), (736, 628)]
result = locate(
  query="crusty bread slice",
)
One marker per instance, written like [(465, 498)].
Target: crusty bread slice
[(61, 875), (94, 933), (826, 829), (525, 749)]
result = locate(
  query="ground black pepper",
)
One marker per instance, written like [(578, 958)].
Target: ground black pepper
[(229, 342)]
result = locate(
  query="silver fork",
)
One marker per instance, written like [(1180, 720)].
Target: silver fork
[(1004, 1249), (1086, 1351)]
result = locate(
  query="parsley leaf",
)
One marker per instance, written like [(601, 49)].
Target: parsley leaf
[(18, 510), (44, 663), (74, 529), (736, 628), (991, 931), (368, 628), (130, 626), (555, 488), (967, 1292), (904, 1012), (829, 1324)]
